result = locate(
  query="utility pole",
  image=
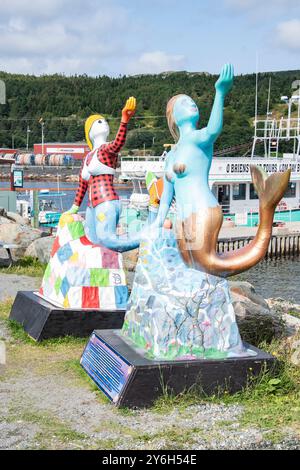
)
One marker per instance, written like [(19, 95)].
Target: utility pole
[(27, 139), (41, 121)]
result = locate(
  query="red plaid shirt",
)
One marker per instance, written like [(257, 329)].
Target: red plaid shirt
[(101, 187)]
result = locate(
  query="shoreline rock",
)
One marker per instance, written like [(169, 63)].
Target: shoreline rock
[(15, 230), (41, 249), (256, 320)]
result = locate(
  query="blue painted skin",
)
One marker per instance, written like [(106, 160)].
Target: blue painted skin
[(194, 150), (99, 230), (101, 226)]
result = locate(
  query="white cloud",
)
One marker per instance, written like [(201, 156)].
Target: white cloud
[(67, 36), (288, 34), (43, 40), (156, 62), (39, 8)]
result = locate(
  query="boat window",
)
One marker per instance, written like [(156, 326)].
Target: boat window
[(291, 190), (253, 193), (238, 192)]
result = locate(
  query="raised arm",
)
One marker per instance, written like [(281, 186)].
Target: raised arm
[(127, 113), (209, 134), (116, 145)]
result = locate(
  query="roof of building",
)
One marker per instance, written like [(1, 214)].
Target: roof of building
[(61, 143)]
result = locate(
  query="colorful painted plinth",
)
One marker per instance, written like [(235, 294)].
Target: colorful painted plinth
[(175, 312), (81, 274)]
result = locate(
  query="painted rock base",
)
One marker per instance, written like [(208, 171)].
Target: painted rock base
[(129, 379), (175, 312), (42, 320), (81, 274)]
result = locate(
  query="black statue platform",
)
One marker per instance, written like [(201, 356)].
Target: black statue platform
[(129, 379), (42, 320)]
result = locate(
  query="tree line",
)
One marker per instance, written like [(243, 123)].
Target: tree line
[(64, 103)]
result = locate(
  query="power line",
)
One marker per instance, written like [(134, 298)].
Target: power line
[(57, 118)]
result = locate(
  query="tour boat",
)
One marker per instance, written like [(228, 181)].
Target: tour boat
[(230, 178)]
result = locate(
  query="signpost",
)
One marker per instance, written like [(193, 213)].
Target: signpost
[(18, 178)]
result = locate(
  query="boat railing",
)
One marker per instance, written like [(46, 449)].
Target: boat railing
[(282, 128)]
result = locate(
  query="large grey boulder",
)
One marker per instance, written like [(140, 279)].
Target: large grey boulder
[(4, 220), (3, 212), (41, 249), (11, 217), (256, 321), (17, 234), (295, 351), (14, 217), (289, 311)]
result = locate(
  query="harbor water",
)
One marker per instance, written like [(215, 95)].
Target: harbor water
[(275, 278), (64, 203)]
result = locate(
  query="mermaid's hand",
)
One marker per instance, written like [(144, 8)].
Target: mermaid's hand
[(225, 81), (129, 109)]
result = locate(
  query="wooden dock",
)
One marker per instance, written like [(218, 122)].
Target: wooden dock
[(280, 245)]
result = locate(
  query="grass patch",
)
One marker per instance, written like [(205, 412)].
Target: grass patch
[(52, 430), (294, 314), (63, 341), (270, 401), (73, 365), (273, 402), (174, 438), (19, 335), (5, 308), (168, 402), (104, 444), (26, 266)]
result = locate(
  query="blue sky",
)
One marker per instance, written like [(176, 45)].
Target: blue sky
[(148, 36)]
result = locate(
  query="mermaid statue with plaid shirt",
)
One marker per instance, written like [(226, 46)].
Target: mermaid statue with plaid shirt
[(96, 177)]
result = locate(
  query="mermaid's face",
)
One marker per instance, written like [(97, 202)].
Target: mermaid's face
[(100, 128), (185, 110)]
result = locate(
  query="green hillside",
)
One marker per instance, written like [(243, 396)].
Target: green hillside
[(64, 103)]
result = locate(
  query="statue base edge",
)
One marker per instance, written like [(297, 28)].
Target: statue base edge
[(42, 320), (130, 380)]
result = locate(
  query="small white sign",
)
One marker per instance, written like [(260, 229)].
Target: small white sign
[(65, 150)]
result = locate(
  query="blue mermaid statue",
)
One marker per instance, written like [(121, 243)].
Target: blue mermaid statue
[(180, 305)]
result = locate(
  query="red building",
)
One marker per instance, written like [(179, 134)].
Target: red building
[(4, 151), (77, 150)]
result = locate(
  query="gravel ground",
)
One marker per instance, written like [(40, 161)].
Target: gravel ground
[(10, 284), (46, 404), (203, 426), (101, 426)]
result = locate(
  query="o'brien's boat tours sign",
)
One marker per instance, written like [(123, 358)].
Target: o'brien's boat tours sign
[(238, 169), (231, 168), (268, 167)]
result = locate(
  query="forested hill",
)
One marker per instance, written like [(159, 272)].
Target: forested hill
[(64, 103)]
